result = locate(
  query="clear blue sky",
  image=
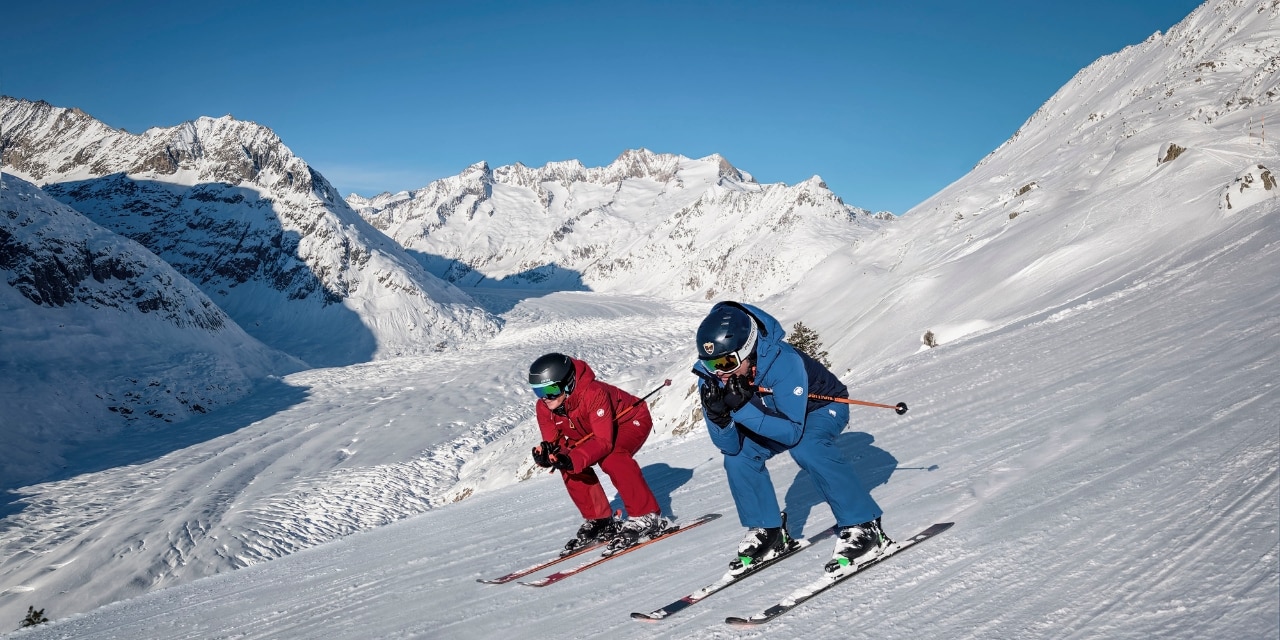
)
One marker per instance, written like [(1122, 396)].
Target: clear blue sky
[(889, 104)]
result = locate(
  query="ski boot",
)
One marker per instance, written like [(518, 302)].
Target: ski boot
[(639, 529), (858, 544), (590, 532)]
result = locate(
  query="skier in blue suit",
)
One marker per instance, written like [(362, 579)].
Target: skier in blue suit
[(740, 351)]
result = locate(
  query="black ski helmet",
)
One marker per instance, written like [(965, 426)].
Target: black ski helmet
[(554, 373), (726, 337)]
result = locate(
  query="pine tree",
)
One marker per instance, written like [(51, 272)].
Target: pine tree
[(805, 339), (33, 618)]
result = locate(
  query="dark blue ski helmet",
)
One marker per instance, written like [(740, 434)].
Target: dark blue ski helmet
[(726, 338)]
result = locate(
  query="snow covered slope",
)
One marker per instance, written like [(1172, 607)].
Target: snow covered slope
[(1128, 490)]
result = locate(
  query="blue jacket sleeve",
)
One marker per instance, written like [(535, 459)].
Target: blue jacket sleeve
[(780, 417)]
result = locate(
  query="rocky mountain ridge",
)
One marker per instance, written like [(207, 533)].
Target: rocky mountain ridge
[(267, 238), (647, 224)]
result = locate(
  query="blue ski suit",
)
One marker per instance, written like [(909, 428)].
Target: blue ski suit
[(788, 420)]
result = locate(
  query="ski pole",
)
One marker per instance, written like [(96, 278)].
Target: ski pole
[(622, 414), (901, 407), (635, 404)]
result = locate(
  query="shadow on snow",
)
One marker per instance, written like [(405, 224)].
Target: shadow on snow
[(872, 465), (663, 480), (500, 295), (141, 445)]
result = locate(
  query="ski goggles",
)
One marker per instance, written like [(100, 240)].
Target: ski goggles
[(548, 391), (724, 364)]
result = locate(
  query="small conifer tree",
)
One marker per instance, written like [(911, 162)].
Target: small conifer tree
[(33, 618), (805, 339)]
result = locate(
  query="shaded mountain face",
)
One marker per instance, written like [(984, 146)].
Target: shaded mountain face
[(268, 239), (124, 338), (55, 257), (650, 224)]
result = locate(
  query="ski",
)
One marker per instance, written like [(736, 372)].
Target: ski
[(541, 565), (561, 575), (827, 581), (729, 579)]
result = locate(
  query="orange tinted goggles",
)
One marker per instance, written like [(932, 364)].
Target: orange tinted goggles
[(725, 363)]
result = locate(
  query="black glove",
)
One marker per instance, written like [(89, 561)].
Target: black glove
[(542, 454), (562, 461), (738, 392), (713, 404)]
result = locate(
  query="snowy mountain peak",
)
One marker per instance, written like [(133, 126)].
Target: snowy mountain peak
[(642, 163), (53, 143), (663, 167), (728, 171), (646, 223)]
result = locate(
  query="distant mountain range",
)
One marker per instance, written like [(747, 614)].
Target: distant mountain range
[(650, 224), (270, 242)]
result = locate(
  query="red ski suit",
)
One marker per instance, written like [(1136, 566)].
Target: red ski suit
[(595, 426)]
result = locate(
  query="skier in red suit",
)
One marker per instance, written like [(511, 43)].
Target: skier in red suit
[(586, 422)]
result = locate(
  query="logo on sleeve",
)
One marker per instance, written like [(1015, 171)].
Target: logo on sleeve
[(798, 391), (600, 412)]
